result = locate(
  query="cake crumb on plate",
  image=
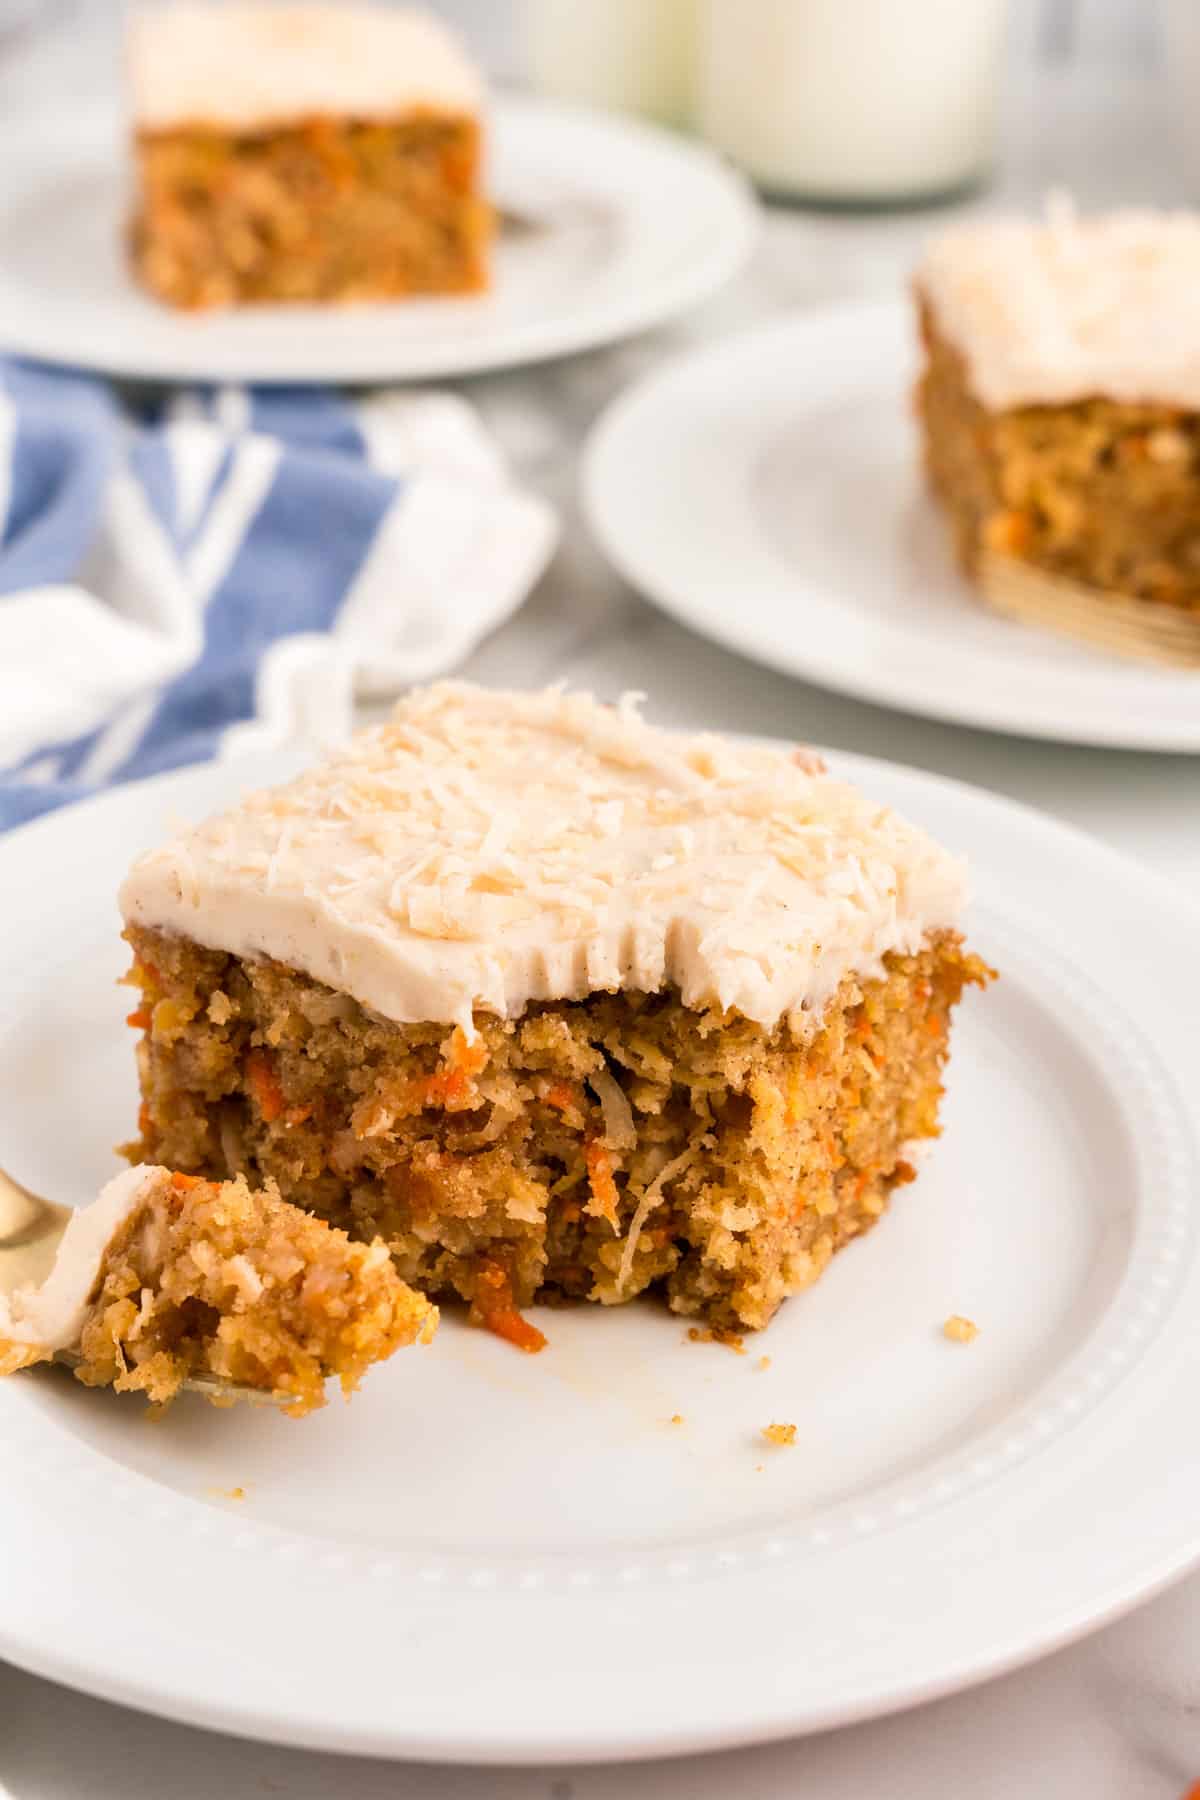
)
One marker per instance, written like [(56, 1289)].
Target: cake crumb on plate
[(779, 1434), (717, 1334), (960, 1330)]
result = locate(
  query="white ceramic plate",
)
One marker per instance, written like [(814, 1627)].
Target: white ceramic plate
[(609, 227), (491, 1556), (767, 491)]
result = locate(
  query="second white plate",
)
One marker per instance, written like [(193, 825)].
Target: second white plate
[(608, 226), (767, 491)]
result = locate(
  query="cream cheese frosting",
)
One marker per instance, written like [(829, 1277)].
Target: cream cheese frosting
[(485, 850), (1051, 312), (242, 67), (50, 1317)]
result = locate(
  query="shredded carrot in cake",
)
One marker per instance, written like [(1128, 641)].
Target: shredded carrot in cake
[(493, 1308), (1010, 532), (562, 1096), (829, 1145), (446, 1087), (866, 1174), (605, 1198), (264, 1084), (184, 1183), (453, 1087), (465, 1055)]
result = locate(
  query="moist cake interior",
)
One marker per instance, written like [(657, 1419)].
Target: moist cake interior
[(321, 210), (1102, 491), (321, 151), (1060, 399), (584, 1151)]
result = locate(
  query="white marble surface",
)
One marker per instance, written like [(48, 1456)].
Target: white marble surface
[(1117, 1718)]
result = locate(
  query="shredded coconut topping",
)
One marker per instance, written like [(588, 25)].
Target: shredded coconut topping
[(242, 66), (1069, 308), (620, 1132), (464, 856)]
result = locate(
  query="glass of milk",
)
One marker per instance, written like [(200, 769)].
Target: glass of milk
[(852, 102), (630, 55)]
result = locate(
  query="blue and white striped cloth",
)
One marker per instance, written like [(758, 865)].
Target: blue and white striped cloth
[(228, 570)]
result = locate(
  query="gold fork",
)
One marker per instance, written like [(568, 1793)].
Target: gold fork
[(31, 1230), (1146, 630)]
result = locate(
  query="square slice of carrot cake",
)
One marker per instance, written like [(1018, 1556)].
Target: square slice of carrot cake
[(1060, 399), (310, 152), (559, 1005)]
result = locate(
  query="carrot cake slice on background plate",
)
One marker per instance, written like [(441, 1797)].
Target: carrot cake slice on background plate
[(1060, 399), (559, 1005), (304, 152), (167, 1279)]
